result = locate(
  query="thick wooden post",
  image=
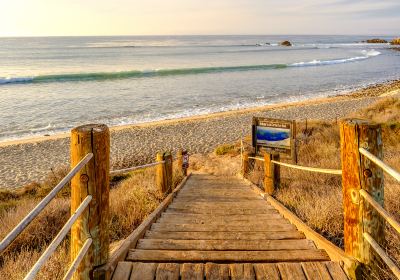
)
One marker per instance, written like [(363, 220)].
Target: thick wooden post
[(271, 173), (92, 180), (358, 173), (169, 170), (245, 164), (161, 179), (179, 160)]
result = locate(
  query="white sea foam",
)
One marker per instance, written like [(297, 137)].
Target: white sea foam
[(10, 80), (316, 62)]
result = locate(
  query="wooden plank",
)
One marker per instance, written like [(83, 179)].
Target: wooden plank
[(192, 271), (291, 271), (227, 256), (243, 271), (120, 253), (336, 271), (244, 204), (215, 206), (224, 245), (216, 271), (216, 198), (143, 271), (231, 235), (168, 271), (199, 227), (316, 270), (123, 271), (266, 271), (198, 218), (218, 212), (226, 222)]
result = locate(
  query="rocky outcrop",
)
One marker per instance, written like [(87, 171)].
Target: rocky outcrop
[(286, 44), (395, 41), (375, 41)]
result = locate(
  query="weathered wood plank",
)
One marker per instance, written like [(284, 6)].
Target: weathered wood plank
[(254, 223), (143, 271), (123, 271), (266, 271), (244, 204), (200, 227), (316, 270), (168, 271), (242, 271), (217, 271), (291, 271), (192, 271), (199, 218), (224, 245), (226, 212), (336, 271), (227, 256), (277, 235)]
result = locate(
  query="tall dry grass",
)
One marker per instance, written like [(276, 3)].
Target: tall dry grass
[(132, 198)]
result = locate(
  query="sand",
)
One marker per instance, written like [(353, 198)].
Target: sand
[(22, 162)]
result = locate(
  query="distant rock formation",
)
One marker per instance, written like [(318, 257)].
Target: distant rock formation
[(395, 41), (286, 43), (375, 41)]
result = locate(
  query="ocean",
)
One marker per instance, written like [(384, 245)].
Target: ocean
[(49, 85)]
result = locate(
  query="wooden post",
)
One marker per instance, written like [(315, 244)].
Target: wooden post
[(169, 170), (358, 173), (294, 144), (245, 163), (179, 160), (271, 173), (92, 180), (161, 180)]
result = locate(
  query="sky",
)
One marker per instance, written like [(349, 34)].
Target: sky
[(198, 17)]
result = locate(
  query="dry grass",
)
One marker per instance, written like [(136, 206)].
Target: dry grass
[(132, 198)]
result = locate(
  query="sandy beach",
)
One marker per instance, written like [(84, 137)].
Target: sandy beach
[(22, 162)]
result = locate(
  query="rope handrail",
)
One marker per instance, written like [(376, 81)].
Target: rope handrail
[(42, 204), (257, 158), (381, 164), (378, 249), (387, 216), (57, 240), (311, 169), (125, 170), (78, 259)]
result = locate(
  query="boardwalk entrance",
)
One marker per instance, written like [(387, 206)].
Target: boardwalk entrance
[(218, 228)]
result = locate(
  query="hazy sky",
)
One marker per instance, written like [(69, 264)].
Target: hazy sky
[(152, 17)]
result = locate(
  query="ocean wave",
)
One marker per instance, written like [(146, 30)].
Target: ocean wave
[(174, 72), (315, 62)]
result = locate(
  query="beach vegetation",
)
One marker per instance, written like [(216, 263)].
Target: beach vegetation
[(225, 149), (395, 41)]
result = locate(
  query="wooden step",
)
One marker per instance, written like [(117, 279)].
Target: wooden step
[(284, 226), (233, 271), (215, 223), (206, 217), (222, 205), (227, 256), (219, 212), (230, 235), (224, 245)]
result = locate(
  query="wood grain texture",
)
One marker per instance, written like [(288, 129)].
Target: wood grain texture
[(92, 180), (123, 271), (168, 271), (358, 173), (316, 270), (336, 271), (192, 271), (266, 271), (242, 271), (226, 256), (284, 226), (143, 271), (215, 271), (271, 173), (161, 173), (291, 271)]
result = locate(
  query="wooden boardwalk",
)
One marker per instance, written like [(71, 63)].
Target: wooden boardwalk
[(218, 228)]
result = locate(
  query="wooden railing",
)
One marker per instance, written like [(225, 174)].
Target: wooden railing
[(89, 177), (363, 188)]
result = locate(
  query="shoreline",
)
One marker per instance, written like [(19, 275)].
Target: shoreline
[(368, 91), (32, 160)]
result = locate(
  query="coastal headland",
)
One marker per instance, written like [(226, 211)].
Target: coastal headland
[(24, 161)]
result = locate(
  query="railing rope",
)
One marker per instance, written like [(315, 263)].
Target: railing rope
[(57, 240), (125, 170), (381, 164), (392, 266), (42, 204), (311, 169), (387, 216), (78, 259)]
